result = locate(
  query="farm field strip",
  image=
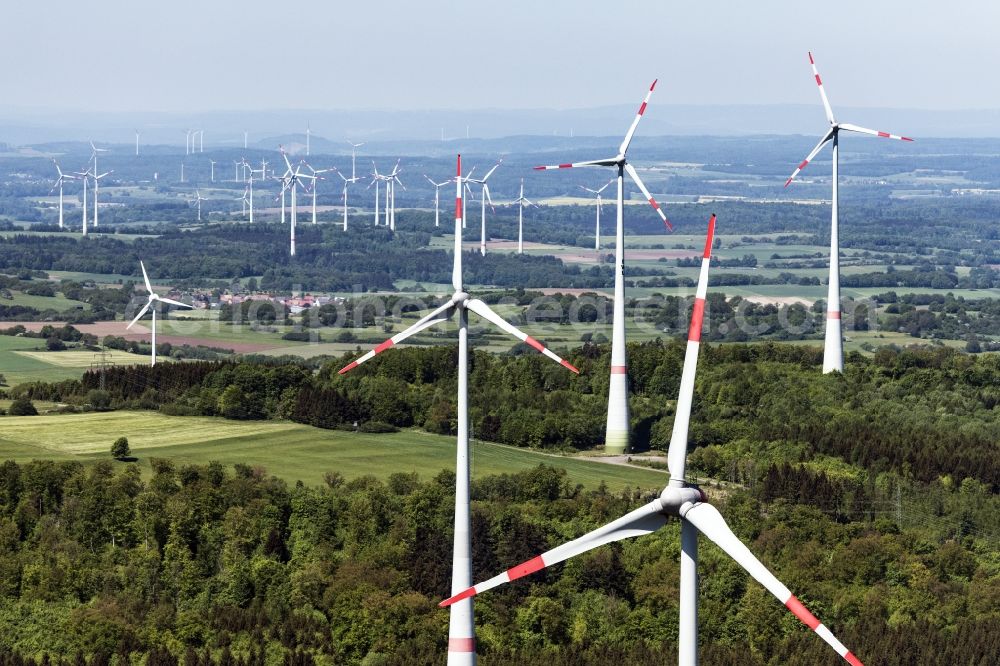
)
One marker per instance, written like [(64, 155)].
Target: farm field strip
[(289, 450)]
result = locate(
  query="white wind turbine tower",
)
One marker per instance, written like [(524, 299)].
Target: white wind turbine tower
[(137, 143), (308, 134), (437, 199), (833, 349), (63, 177), (484, 196), (679, 499), (198, 200), (617, 437), (461, 628), (347, 181), (187, 141), (246, 135), (212, 163), (520, 201), (97, 176), (245, 199), (597, 227), (201, 142), (151, 305)]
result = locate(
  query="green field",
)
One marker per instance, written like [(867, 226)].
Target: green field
[(288, 450), (57, 302)]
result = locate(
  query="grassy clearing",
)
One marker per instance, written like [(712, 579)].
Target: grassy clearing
[(85, 359), (57, 302), (289, 450)]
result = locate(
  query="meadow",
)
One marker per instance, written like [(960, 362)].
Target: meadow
[(291, 451)]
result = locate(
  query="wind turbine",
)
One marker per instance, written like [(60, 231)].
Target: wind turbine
[(833, 348), (354, 148), (461, 628), (93, 155), (212, 163), (151, 305), (284, 182), (376, 179), (187, 142), (437, 198), (246, 135), (198, 200), (617, 434), (316, 177), (248, 195), (484, 197), (83, 176), (520, 201), (63, 177), (682, 500), (347, 181), (597, 228), (391, 180), (290, 181), (308, 133), (137, 143)]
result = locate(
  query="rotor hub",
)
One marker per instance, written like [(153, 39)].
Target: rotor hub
[(673, 498)]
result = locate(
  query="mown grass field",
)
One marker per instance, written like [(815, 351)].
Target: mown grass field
[(85, 359), (289, 450), (57, 302)]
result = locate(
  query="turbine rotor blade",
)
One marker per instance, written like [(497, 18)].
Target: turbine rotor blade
[(635, 123), (484, 311), (710, 522), (642, 521), (819, 146), (173, 302), (649, 197), (425, 322), (490, 172), (141, 313), (865, 130), (611, 161), (145, 277), (677, 453), (822, 91)]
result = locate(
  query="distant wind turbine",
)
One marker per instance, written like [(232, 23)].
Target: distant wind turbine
[(97, 176), (597, 227), (521, 201), (437, 198), (198, 200), (484, 197), (354, 148), (63, 177), (347, 181), (151, 305)]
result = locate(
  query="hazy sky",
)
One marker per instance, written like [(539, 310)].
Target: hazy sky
[(181, 55)]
